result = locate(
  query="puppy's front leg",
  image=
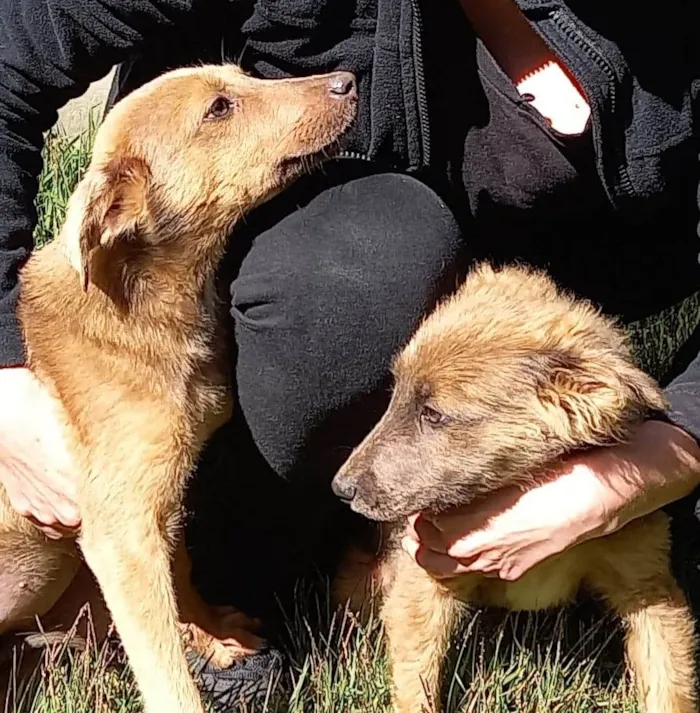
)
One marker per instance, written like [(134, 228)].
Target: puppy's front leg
[(129, 502), (635, 578), (419, 616)]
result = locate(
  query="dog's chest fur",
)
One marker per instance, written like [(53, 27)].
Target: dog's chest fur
[(171, 355)]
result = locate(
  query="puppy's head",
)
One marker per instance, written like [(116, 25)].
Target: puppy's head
[(187, 154), (501, 380)]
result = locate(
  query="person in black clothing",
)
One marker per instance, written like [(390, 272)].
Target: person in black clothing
[(558, 135)]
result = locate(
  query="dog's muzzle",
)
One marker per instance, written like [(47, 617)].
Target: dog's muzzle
[(344, 490)]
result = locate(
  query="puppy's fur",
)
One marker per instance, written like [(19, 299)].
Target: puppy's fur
[(122, 326), (501, 381)]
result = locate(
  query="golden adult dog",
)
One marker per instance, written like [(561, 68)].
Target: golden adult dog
[(501, 381), (122, 325)]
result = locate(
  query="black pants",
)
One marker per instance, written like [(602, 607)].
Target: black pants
[(324, 295)]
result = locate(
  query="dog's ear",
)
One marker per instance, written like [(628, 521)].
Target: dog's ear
[(110, 204), (594, 401)]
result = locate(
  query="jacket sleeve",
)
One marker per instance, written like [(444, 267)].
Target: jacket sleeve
[(50, 51), (683, 394)]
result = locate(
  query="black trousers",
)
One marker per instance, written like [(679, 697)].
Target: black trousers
[(329, 281)]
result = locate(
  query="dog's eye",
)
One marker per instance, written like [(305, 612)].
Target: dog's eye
[(220, 108), (433, 417)]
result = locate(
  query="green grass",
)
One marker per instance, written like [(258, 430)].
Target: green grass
[(65, 161), (524, 664)]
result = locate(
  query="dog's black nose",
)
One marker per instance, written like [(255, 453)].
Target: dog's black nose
[(344, 490), (342, 84)]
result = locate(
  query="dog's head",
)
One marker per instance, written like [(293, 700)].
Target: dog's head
[(187, 154), (504, 378)]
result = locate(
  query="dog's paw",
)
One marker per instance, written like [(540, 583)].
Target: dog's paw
[(228, 636)]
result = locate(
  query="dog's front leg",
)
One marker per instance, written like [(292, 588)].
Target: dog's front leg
[(419, 616), (129, 504), (222, 634)]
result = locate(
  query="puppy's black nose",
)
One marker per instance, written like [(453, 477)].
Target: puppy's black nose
[(342, 84), (344, 490)]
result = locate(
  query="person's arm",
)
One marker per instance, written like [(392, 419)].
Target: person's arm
[(50, 51), (593, 494)]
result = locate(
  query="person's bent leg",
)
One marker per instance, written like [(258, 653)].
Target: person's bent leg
[(322, 302)]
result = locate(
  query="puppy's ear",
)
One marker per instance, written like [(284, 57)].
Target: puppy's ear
[(590, 402), (110, 204)]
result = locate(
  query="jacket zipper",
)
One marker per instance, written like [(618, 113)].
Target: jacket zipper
[(568, 29), (421, 94), (354, 155), (419, 71)]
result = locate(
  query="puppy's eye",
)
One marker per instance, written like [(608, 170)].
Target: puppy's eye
[(431, 416), (220, 108)]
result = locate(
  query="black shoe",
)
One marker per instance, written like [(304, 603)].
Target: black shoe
[(249, 681)]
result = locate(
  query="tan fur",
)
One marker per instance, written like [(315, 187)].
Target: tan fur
[(121, 325), (514, 375)]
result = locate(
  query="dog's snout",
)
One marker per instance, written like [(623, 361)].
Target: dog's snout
[(342, 84), (344, 490)]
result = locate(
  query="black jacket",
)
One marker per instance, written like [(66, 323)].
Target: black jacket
[(639, 70)]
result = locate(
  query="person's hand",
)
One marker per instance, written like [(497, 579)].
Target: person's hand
[(35, 467), (510, 531), (591, 495)]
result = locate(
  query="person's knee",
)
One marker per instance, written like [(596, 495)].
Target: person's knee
[(374, 253), (325, 299)]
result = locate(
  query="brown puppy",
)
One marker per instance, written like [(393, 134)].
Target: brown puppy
[(502, 380), (122, 325)]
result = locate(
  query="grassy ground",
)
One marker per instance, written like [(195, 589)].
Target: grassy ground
[(523, 664)]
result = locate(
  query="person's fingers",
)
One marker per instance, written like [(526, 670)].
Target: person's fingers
[(58, 531), (437, 565), (56, 486), (60, 470), (487, 565), (53, 484), (36, 468), (18, 500), (50, 532), (462, 544), (55, 522), (510, 572), (41, 512), (477, 515), (39, 496), (429, 536), (66, 514), (471, 545), (44, 519)]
